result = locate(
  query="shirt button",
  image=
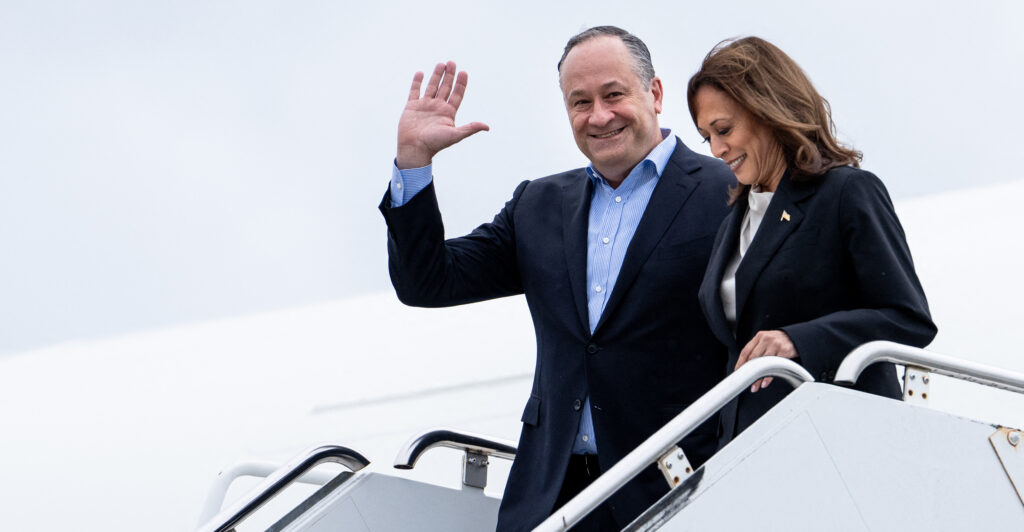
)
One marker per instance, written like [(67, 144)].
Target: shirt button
[(577, 405), (606, 240), (597, 289), (618, 199), (586, 438), (398, 186)]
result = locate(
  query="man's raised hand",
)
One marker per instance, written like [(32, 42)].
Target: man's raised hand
[(428, 125)]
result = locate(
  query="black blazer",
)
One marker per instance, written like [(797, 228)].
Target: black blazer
[(651, 354), (830, 266)]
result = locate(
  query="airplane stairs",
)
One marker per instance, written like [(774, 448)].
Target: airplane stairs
[(825, 458)]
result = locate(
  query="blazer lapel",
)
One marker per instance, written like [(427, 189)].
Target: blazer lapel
[(673, 189), (711, 287), (780, 220), (576, 220)]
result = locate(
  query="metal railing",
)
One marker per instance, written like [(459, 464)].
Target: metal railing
[(219, 490), (664, 440), (913, 357), (280, 479), (478, 449)]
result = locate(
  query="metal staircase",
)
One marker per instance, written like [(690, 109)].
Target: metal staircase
[(825, 458)]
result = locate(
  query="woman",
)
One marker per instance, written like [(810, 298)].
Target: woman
[(812, 262)]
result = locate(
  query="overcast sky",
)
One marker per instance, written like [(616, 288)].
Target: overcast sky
[(172, 162)]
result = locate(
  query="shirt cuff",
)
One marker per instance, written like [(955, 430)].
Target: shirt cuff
[(407, 183)]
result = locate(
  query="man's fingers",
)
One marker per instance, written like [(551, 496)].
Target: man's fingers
[(435, 80), (417, 81), (446, 82), (471, 128), (459, 90)]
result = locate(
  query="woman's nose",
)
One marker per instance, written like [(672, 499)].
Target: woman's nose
[(718, 148)]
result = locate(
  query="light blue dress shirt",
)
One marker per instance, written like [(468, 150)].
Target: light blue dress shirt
[(407, 183), (614, 216)]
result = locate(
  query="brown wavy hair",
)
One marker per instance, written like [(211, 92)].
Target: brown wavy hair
[(774, 89)]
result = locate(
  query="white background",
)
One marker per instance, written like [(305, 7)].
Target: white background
[(163, 164), (170, 162)]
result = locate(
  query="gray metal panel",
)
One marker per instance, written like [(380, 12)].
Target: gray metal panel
[(342, 516), (756, 492), (829, 458), (915, 468), (310, 502), (376, 503)]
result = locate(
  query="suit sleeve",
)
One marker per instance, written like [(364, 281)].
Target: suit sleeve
[(892, 304), (429, 271)]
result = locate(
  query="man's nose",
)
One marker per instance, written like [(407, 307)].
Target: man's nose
[(601, 114)]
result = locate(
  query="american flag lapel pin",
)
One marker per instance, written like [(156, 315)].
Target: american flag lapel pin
[(785, 216)]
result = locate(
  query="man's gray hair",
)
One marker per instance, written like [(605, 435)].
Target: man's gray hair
[(641, 55)]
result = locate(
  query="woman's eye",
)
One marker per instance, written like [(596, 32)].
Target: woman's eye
[(707, 138), (724, 131)]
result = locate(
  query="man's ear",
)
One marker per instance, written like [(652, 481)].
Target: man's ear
[(657, 92)]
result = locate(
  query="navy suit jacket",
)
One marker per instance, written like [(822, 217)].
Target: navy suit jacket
[(833, 274), (651, 354)]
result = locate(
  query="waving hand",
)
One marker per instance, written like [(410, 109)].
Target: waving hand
[(427, 125)]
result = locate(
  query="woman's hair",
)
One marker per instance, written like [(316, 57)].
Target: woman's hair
[(774, 89)]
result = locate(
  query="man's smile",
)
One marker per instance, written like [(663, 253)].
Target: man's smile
[(610, 134)]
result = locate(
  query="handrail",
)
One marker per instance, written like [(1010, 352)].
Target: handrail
[(284, 476), (219, 490), (883, 351), (665, 439), (462, 441)]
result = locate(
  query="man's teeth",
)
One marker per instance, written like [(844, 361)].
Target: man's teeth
[(734, 164), (606, 135)]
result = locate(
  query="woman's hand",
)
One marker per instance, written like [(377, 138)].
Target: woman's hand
[(765, 344)]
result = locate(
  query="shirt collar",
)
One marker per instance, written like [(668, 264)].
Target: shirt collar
[(758, 201), (659, 157)]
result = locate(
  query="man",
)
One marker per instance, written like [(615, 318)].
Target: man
[(610, 258)]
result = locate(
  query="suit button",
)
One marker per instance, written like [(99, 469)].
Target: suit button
[(577, 405), (592, 348)]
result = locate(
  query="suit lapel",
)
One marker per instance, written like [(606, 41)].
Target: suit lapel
[(780, 220), (673, 189), (576, 219), (711, 292)]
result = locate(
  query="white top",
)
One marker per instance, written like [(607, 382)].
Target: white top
[(757, 204)]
